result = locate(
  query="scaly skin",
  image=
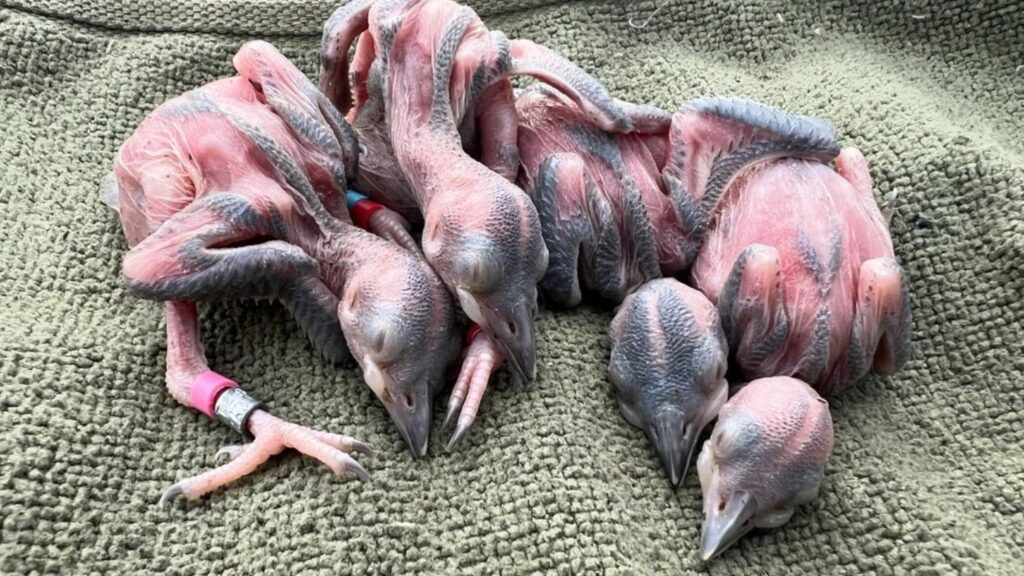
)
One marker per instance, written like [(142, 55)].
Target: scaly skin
[(236, 190), (766, 456), (796, 255), (668, 367), (429, 81)]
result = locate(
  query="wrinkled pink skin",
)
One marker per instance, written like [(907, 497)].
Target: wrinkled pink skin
[(430, 82), (220, 196), (817, 252), (581, 175), (766, 456), (735, 189)]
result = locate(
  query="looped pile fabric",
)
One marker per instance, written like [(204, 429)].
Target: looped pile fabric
[(928, 471)]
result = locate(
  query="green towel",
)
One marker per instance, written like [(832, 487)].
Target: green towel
[(928, 472)]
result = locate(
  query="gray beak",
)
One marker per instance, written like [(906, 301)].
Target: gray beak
[(674, 440), (413, 423), (515, 335), (722, 528)]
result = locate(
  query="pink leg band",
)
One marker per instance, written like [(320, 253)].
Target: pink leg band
[(205, 389)]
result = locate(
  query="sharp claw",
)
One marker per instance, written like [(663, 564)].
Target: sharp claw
[(460, 431), (350, 465), (362, 447), (453, 410), (170, 494)]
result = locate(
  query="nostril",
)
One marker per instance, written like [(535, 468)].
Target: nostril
[(408, 400), (512, 328), (721, 505)]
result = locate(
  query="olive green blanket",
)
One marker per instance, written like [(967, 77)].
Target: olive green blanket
[(928, 472)]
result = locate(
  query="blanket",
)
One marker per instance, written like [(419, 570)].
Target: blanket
[(928, 471)]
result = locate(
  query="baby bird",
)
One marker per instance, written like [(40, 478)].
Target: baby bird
[(766, 456), (236, 190)]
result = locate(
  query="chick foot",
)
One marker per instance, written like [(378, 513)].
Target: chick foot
[(482, 358), (271, 437)]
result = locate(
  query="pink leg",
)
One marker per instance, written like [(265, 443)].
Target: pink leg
[(272, 435), (185, 356), (185, 361), (482, 358), (390, 225)]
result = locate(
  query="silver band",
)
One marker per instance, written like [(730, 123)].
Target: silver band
[(234, 407)]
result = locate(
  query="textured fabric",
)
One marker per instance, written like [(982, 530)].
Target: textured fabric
[(928, 472)]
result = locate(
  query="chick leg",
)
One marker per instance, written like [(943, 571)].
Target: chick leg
[(481, 359), (186, 363), (381, 220)]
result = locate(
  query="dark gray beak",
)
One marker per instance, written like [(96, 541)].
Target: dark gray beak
[(674, 439), (413, 423), (516, 337)]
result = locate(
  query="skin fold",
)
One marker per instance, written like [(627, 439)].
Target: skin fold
[(429, 94), (766, 456), (236, 190)]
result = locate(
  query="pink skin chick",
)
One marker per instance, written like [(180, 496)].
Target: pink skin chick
[(799, 259), (236, 190), (796, 255), (766, 456), (429, 82)]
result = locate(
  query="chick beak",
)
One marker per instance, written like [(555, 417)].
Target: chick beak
[(516, 337), (674, 440), (413, 424), (512, 330), (411, 411), (722, 528)]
